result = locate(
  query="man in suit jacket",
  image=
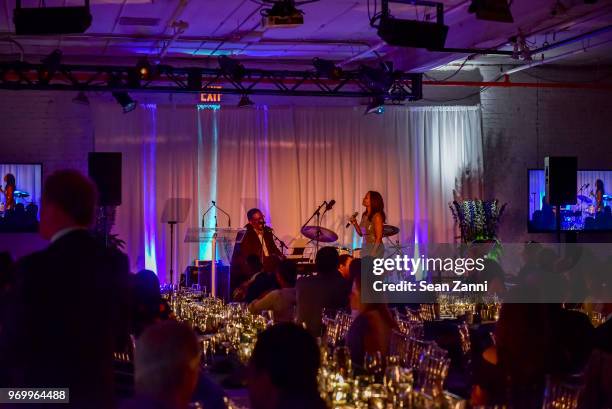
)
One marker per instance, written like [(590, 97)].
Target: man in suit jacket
[(68, 311), (328, 289), (257, 240)]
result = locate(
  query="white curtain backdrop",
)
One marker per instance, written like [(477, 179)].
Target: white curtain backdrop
[(286, 161)]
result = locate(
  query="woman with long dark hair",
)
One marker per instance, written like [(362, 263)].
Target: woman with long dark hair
[(9, 191), (372, 224), (599, 194)]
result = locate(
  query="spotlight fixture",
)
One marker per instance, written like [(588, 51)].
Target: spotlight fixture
[(232, 68), (283, 13), (378, 79), (81, 98), (194, 79), (124, 99), (327, 68), (144, 69), (411, 33), (376, 105), (245, 102), (491, 10)]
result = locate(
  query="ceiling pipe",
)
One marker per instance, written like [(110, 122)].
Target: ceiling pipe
[(553, 59), (567, 41), (508, 84), (578, 19), (189, 39), (19, 46), (173, 23), (561, 43)]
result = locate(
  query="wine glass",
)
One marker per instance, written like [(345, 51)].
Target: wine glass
[(342, 361), (372, 364)]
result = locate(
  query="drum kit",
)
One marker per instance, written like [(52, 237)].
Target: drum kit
[(574, 219), (319, 234), (19, 195)]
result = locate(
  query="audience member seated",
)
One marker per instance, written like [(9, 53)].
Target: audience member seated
[(68, 310), (282, 300), (597, 391), (327, 289), (264, 281), (21, 219), (147, 305), (493, 275), (344, 262), (166, 367), (261, 279), (574, 337), (370, 332), (513, 372), (598, 375), (283, 370)]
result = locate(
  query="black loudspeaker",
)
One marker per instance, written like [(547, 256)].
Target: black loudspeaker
[(51, 20), (561, 179), (105, 170), (412, 33)]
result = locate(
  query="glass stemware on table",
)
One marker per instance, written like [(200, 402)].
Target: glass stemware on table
[(411, 376)]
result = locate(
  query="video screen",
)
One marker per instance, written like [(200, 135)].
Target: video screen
[(591, 212), (20, 196)]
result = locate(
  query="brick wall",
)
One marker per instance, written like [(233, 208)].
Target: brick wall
[(523, 125)]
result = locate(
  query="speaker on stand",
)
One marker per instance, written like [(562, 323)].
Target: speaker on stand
[(561, 173), (104, 168)]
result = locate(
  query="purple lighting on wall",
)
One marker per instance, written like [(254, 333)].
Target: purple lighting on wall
[(149, 194)]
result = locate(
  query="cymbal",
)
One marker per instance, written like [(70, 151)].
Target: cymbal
[(584, 199), (20, 194), (320, 234), (388, 230)]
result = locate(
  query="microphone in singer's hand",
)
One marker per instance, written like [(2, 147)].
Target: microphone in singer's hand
[(352, 217)]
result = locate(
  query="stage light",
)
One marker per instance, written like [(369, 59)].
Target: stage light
[(378, 79), (283, 13), (491, 10), (232, 68), (245, 102), (327, 68), (144, 69), (81, 98), (194, 79), (376, 106), (124, 99)]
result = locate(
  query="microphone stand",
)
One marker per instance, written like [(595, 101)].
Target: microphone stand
[(318, 214), (229, 219), (282, 243), (206, 212)]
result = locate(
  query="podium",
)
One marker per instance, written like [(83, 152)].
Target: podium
[(215, 236)]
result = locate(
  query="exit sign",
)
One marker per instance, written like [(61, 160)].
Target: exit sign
[(208, 97)]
